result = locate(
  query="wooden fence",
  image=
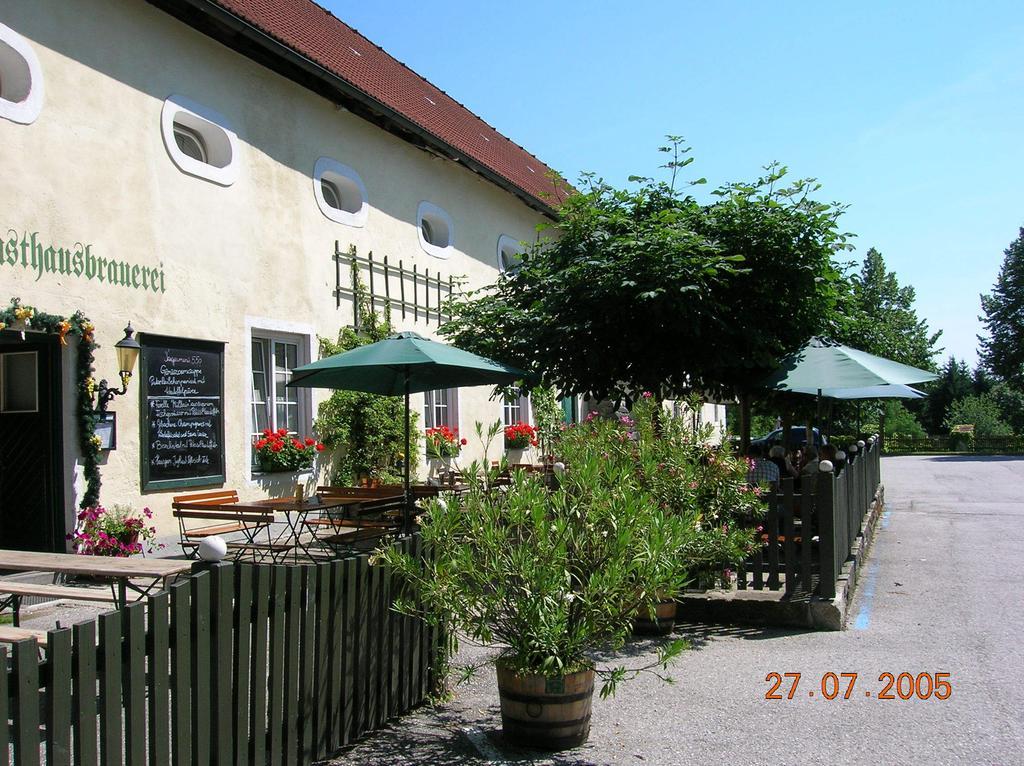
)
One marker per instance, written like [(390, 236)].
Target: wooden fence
[(808, 535), (987, 445), (240, 664)]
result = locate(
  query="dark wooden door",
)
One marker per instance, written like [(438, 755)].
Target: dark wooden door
[(31, 516)]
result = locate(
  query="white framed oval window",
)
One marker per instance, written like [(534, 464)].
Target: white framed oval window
[(435, 230), (340, 193), (21, 79), (510, 253), (199, 140)]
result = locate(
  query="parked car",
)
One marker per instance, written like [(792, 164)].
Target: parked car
[(797, 438)]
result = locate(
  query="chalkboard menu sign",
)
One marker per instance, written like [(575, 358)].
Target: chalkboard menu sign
[(182, 412)]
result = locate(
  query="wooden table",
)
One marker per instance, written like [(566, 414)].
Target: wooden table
[(122, 570), (297, 512)]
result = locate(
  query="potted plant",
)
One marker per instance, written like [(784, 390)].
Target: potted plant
[(551, 576), (277, 451), (518, 437), (117, 531), (443, 446)]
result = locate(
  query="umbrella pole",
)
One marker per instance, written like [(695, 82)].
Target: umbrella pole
[(407, 508)]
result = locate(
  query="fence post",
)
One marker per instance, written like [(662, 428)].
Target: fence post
[(222, 603), (58, 698), (4, 691), (134, 682), (788, 530), (25, 663), (201, 687), (181, 673), (111, 731), (826, 507), (159, 672)]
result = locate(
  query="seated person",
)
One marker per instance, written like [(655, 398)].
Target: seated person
[(761, 471), (810, 462), (777, 455)]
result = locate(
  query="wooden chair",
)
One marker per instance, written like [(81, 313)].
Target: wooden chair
[(364, 523), (204, 514)]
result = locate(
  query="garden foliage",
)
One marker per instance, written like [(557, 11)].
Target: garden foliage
[(554, 576)]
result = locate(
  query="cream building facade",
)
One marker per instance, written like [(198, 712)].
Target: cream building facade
[(156, 169)]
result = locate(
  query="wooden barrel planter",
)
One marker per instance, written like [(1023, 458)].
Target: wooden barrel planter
[(546, 713), (661, 624)]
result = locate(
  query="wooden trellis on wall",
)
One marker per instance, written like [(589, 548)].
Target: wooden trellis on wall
[(415, 293)]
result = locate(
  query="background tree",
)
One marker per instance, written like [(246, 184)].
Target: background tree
[(955, 382), (1002, 351), (1010, 402), (980, 411), (878, 316)]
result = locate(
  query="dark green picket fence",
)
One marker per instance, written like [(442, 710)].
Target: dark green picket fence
[(240, 664), (808, 535)]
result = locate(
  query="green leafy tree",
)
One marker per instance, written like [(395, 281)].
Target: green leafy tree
[(899, 421), (1010, 401), (595, 309), (367, 429), (646, 290), (980, 411), (877, 315), (1002, 351), (955, 382)]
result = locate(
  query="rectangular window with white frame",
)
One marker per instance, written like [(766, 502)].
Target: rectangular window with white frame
[(441, 408), (515, 409), (274, 404)]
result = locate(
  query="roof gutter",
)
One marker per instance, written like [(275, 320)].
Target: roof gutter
[(238, 34)]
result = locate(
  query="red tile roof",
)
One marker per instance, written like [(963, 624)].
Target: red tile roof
[(316, 34)]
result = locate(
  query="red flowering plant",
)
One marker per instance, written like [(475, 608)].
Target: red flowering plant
[(444, 442), (520, 436), (280, 451), (118, 531)]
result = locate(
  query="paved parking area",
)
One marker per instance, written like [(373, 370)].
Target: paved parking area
[(939, 594)]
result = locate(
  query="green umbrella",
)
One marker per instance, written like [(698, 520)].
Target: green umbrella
[(402, 364), (886, 391), (822, 364)]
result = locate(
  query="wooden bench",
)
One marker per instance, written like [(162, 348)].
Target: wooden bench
[(215, 516), (9, 635), (15, 590)]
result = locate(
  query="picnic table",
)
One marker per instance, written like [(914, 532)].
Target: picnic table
[(121, 571)]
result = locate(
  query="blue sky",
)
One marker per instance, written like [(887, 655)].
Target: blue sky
[(912, 113)]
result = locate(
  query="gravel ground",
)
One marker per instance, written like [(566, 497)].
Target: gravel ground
[(938, 595)]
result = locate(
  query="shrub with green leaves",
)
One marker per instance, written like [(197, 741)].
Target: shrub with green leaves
[(555, 575)]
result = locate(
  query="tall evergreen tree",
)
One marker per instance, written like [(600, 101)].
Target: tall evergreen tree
[(1002, 351), (879, 317)]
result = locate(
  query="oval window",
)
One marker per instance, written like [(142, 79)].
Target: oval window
[(21, 79), (434, 230), (199, 140), (340, 193)]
